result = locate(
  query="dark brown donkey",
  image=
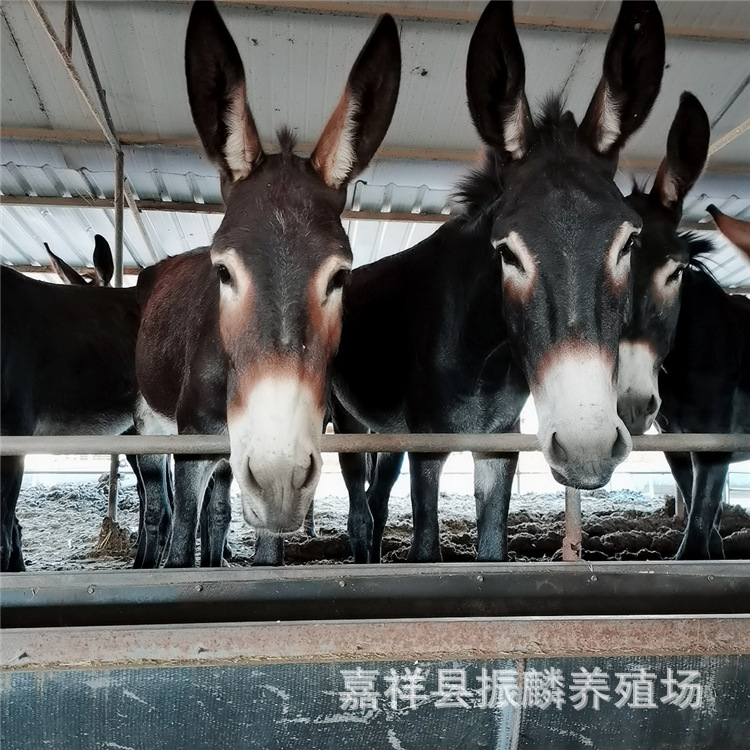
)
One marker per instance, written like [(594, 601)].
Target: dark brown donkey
[(240, 337)]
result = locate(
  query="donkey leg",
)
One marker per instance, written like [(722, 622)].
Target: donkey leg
[(309, 525), (228, 553), (425, 469), (681, 467), (16, 555), (11, 476), (217, 512), (354, 470), (141, 492), (387, 470), (493, 482), (269, 549), (156, 511), (359, 524), (191, 477), (709, 476)]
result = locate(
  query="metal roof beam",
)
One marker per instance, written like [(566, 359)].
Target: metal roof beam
[(726, 139), (200, 208), (436, 14), (73, 73), (408, 153), (218, 208)]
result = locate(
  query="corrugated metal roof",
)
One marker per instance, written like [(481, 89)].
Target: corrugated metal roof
[(297, 64)]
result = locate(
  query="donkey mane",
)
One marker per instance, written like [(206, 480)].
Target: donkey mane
[(482, 187), (287, 141), (698, 245)]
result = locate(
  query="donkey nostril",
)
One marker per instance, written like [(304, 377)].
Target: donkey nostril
[(303, 476), (252, 482), (557, 452), (620, 449), (653, 405), (310, 477)]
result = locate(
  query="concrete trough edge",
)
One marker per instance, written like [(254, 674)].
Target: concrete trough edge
[(373, 640)]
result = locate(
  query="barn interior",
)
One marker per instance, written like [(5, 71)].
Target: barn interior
[(96, 137)]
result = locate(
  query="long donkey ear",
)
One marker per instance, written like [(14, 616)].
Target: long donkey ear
[(735, 230), (216, 90), (103, 263), (495, 80), (363, 114), (687, 150), (67, 274), (631, 78)]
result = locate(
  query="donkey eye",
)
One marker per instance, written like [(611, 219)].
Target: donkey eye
[(508, 256), (337, 281), (627, 247), (222, 272), (675, 275)]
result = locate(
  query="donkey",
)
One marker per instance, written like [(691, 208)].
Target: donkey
[(531, 284), (240, 337), (689, 348), (67, 355), (705, 387), (104, 267), (659, 261), (155, 467)]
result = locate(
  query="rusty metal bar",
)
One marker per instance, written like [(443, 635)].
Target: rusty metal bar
[(571, 546), (345, 443), (375, 641)]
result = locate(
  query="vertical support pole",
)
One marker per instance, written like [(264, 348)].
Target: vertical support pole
[(571, 547), (114, 465), (679, 504), (119, 206)]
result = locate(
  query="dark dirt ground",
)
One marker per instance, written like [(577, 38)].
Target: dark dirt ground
[(63, 529)]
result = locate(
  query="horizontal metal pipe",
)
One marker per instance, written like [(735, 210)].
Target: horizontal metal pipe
[(363, 592), (374, 640), (345, 443), (409, 153), (218, 208)]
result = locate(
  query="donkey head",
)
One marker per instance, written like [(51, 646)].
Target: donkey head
[(281, 258), (104, 267), (562, 231), (659, 259)]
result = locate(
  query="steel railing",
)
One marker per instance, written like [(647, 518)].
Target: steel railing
[(350, 443), (355, 443)]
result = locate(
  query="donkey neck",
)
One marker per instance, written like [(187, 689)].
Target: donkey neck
[(709, 339)]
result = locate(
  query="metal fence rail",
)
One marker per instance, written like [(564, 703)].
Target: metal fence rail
[(354, 443), (349, 443)]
